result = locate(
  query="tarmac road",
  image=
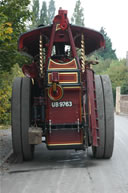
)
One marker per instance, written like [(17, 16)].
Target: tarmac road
[(70, 171)]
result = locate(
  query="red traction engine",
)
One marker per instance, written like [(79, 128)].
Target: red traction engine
[(60, 99)]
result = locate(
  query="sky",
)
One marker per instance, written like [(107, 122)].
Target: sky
[(110, 14)]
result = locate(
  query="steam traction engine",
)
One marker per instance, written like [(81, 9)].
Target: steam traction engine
[(61, 99)]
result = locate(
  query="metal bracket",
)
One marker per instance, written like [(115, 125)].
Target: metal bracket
[(35, 135), (78, 125), (50, 126)]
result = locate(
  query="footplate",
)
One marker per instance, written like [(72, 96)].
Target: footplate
[(65, 139)]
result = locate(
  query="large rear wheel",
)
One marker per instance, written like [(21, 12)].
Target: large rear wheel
[(25, 118), (109, 116), (98, 152), (105, 112), (16, 118)]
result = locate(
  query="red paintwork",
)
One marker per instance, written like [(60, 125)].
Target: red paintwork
[(55, 96), (54, 77), (73, 46), (28, 42), (30, 70), (62, 19), (65, 115), (66, 78), (51, 42), (63, 73), (92, 105), (69, 65), (63, 137)]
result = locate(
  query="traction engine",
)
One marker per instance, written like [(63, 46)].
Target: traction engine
[(60, 99)]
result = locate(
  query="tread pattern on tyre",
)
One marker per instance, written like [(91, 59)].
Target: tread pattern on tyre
[(16, 118), (25, 116), (109, 116), (105, 110), (99, 151)]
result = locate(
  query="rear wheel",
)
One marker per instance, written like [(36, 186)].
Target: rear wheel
[(25, 118), (98, 152), (105, 111), (16, 118), (109, 116)]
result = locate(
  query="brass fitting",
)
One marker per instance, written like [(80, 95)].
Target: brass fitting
[(82, 53), (41, 55)]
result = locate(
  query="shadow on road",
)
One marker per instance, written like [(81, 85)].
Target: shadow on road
[(53, 160)]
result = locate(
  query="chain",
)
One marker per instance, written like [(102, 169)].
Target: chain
[(41, 56), (82, 53)]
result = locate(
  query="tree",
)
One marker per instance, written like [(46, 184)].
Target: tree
[(16, 14), (43, 14), (6, 79), (102, 66), (118, 73), (108, 52), (78, 15), (5, 28), (51, 11), (35, 13)]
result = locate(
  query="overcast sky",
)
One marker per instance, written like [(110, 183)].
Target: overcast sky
[(111, 14)]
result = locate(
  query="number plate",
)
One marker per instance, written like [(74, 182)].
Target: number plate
[(61, 104)]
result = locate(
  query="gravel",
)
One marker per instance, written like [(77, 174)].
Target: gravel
[(5, 143)]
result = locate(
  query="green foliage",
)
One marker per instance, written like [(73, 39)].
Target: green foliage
[(15, 72), (102, 66), (35, 14), (124, 89), (43, 14), (108, 64), (6, 79), (118, 74), (13, 17), (78, 15), (5, 28), (51, 11), (5, 93), (14, 14), (108, 52), (17, 12), (117, 71)]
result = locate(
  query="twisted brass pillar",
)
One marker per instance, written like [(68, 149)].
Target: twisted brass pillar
[(82, 53), (41, 56)]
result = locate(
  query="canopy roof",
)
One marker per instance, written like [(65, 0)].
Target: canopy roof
[(29, 41)]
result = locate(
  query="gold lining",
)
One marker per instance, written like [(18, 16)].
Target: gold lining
[(58, 27), (68, 87), (51, 97), (72, 87), (72, 82), (64, 144), (57, 63)]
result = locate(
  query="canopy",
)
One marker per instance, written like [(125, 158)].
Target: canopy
[(29, 41)]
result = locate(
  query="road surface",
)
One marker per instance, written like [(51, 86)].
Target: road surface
[(70, 171)]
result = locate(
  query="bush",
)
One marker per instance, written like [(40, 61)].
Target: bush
[(6, 80), (5, 95), (117, 71)]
